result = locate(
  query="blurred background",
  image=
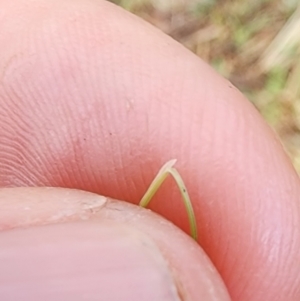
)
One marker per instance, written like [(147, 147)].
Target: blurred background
[(255, 44)]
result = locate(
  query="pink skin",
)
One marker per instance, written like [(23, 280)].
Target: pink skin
[(94, 98), (181, 264)]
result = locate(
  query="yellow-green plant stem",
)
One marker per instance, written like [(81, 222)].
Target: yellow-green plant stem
[(168, 169)]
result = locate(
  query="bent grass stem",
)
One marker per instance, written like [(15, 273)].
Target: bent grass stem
[(168, 169)]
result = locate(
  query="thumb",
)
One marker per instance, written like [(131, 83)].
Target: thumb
[(61, 244)]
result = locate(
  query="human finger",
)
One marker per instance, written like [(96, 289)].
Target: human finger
[(96, 99), (61, 244)]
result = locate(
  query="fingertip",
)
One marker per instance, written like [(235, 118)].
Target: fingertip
[(99, 101), (79, 237)]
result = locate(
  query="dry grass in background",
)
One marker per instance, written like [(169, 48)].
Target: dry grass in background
[(255, 44)]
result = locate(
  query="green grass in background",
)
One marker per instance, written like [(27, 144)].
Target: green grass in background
[(255, 44)]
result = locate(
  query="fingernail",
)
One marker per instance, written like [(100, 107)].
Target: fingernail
[(83, 261), (30, 206)]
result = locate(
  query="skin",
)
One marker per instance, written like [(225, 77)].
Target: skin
[(95, 99)]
